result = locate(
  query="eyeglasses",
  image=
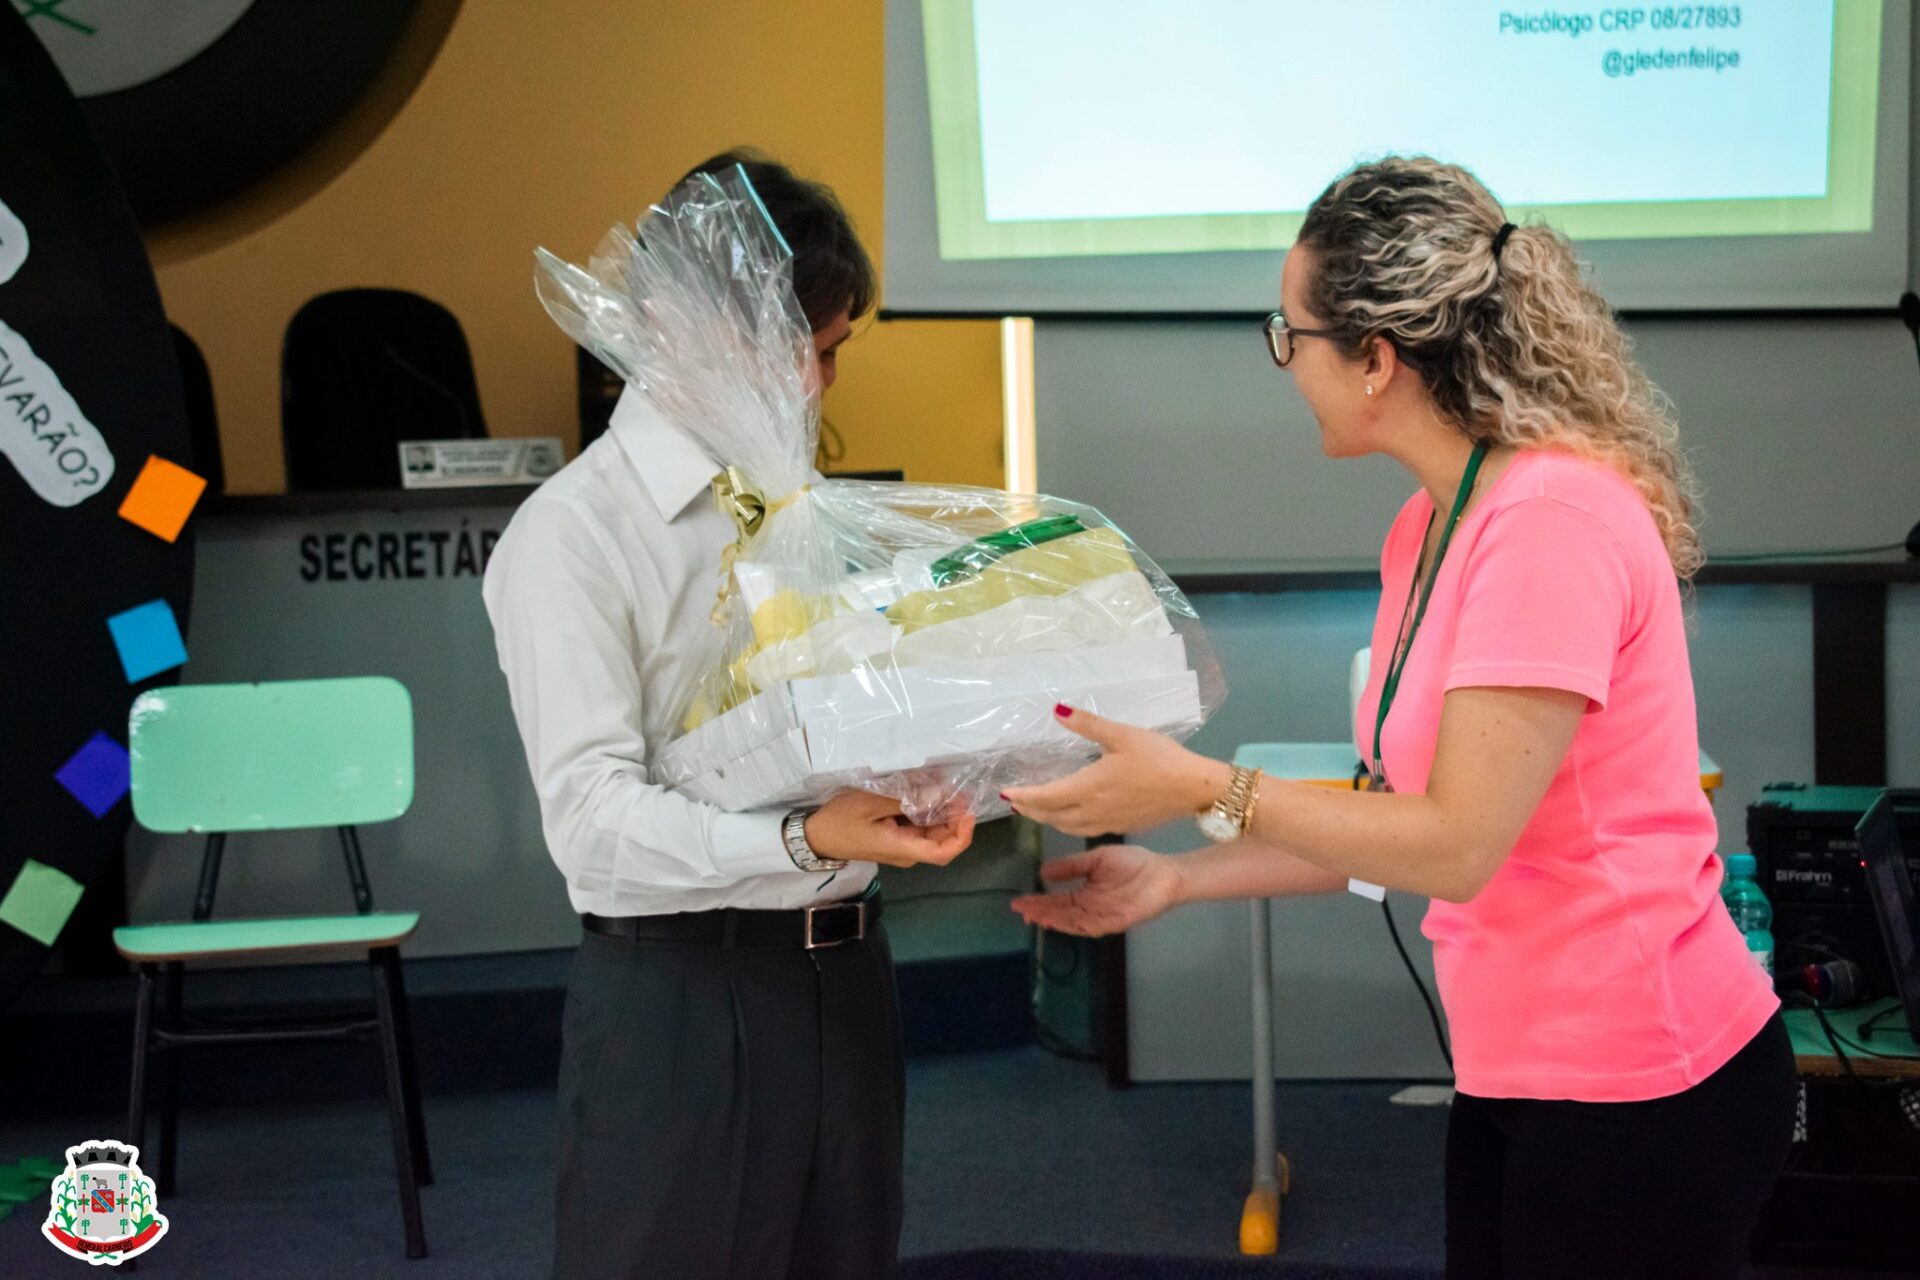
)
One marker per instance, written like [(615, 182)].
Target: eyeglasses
[(1280, 336)]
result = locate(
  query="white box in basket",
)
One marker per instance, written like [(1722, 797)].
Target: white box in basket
[(801, 762), (870, 694)]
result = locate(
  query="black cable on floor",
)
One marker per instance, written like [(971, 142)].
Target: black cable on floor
[(1439, 1034), (1360, 780)]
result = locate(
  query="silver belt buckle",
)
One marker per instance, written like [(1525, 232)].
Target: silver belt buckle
[(859, 929)]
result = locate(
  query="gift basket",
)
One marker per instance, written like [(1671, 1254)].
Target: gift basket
[(907, 639)]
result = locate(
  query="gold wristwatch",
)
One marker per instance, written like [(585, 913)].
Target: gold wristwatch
[(1231, 816)]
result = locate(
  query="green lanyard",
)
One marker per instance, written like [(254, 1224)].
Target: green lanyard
[(1403, 643)]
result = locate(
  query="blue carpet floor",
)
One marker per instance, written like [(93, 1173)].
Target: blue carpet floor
[(1020, 1166), (1009, 1151)]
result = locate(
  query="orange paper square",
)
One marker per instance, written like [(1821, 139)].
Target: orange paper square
[(162, 498)]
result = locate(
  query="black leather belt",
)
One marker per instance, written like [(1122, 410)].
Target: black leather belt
[(806, 928)]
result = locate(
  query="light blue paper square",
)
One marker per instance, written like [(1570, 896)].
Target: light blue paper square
[(148, 639)]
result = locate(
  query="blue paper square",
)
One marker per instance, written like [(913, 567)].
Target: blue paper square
[(98, 775), (149, 640)]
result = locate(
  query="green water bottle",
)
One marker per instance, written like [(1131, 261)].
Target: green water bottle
[(1747, 904)]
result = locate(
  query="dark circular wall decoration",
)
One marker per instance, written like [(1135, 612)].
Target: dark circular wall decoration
[(89, 390), (198, 102)]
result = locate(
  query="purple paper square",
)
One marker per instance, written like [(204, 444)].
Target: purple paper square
[(98, 775)]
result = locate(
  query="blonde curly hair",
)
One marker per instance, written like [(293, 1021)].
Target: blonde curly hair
[(1518, 349)]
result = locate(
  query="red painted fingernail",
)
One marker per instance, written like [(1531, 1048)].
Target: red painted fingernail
[(1062, 710), (1003, 796)]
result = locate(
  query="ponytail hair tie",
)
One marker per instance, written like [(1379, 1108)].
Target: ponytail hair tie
[(1500, 238)]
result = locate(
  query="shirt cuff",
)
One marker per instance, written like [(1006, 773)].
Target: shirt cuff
[(746, 845)]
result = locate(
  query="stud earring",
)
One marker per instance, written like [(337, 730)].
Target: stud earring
[(1369, 388)]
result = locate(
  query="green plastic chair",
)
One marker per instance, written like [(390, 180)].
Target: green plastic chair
[(221, 758)]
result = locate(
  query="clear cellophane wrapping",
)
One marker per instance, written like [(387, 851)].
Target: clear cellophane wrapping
[(907, 639)]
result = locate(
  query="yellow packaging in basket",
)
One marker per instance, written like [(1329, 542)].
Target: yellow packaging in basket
[(1050, 569)]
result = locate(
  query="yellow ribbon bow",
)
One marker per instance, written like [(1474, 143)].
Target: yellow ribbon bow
[(748, 508)]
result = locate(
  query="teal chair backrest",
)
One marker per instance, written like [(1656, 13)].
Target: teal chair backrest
[(266, 757)]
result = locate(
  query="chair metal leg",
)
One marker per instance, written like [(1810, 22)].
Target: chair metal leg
[(383, 1003), (1260, 1217), (142, 1047), (173, 1017), (356, 870), (409, 1067)]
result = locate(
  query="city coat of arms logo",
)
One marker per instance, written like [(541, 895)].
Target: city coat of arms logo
[(103, 1210)]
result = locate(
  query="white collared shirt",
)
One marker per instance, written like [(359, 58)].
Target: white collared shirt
[(600, 592)]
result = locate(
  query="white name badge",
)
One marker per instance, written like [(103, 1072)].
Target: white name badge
[(13, 243), (458, 464), (42, 431)]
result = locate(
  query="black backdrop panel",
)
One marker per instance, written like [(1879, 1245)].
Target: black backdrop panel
[(248, 105), (85, 301)]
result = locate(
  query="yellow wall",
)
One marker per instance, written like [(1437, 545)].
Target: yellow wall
[(545, 124)]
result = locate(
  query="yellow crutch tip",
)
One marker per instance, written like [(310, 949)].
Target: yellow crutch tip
[(1260, 1222)]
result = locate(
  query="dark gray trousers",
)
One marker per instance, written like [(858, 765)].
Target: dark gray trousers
[(730, 1113)]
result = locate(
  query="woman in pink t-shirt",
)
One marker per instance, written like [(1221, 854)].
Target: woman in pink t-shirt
[(1625, 1088)]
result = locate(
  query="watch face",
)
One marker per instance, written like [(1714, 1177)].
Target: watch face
[(1218, 827)]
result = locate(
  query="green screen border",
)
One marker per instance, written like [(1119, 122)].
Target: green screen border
[(965, 232)]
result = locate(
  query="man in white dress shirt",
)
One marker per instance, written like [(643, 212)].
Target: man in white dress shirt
[(731, 1079)]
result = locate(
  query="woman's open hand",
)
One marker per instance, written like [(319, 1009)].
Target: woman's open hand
[(1121, 886)]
